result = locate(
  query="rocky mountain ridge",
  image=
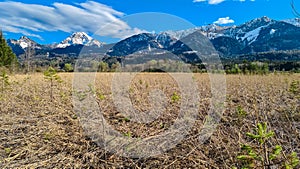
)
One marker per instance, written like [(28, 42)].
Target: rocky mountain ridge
[(258, 35)]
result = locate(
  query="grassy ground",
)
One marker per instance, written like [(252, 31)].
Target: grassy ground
[(37, 131)]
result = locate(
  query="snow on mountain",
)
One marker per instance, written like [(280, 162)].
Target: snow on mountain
[(257, 35), (180, 33), (255, 23), (295, 21), (24, 45), (251, 36), (272, 31), (79, 38), (25, 42), (211, 31), (248, 31)]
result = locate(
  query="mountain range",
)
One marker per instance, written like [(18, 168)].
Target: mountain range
[(255, 36)]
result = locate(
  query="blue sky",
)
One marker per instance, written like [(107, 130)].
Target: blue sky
[(110, 20)]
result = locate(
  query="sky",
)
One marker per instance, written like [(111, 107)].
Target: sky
[(111, 20)]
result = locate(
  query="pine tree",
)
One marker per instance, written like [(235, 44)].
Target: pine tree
[(7, 57)]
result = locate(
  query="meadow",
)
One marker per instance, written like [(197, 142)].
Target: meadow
[(40, 129)]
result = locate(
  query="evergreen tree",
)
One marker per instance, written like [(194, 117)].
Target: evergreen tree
[(103, 66), (68, 67), (265, 68), (7, 57)]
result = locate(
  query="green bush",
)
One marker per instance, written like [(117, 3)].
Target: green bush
[(262, 156)]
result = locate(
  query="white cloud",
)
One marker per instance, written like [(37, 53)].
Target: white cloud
[(223, 21), (90, 16), (213, 2), (199, 1)]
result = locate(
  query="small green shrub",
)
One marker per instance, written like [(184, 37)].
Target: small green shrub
[(51, 75), (262, 133), (241, 112), (5, 80), (294, 87), (262, 156), (7, 150), (292, 162), (175, 97), (128, 134), (126, 119), (47, 136), (100, 95)]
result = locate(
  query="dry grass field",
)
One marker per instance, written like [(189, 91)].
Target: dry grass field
[(37, 131)]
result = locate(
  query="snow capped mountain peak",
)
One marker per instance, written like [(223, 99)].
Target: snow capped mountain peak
[(256, 23), (25, 42), (79, 38), (212, 28), (25, 38), (261, 20), (264, 18)]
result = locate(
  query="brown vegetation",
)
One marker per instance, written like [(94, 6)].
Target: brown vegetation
[(36, 132)]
